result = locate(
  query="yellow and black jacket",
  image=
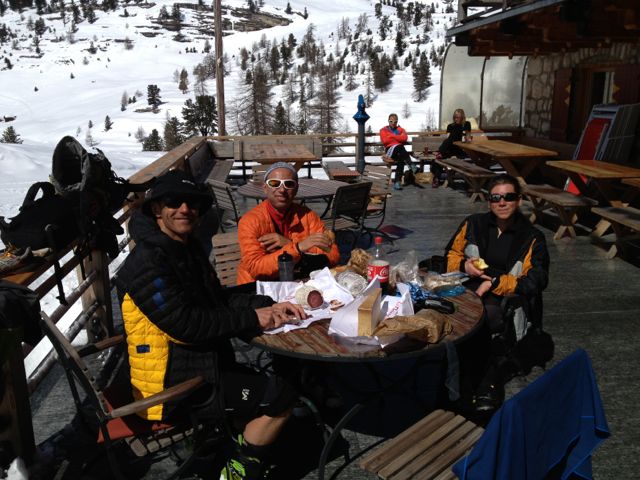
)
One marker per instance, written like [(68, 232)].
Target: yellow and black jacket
[(528, 259), (178, 319)]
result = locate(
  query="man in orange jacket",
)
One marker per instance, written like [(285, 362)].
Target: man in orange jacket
[(393, 137), (278, 225)]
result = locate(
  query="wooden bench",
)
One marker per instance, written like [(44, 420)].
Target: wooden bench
[(426, 450), (564, 203), (337, 170), (226, 257), (473, 174), (625, 222)]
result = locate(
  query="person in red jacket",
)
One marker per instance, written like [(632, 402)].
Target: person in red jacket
[(393, 137)]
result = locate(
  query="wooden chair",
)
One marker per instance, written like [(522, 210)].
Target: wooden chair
[(114, 410), (349, 208), (426, 450), (226, 257), (220, 170), (224, 201)]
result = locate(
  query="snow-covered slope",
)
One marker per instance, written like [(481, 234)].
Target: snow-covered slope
[(48, 103)]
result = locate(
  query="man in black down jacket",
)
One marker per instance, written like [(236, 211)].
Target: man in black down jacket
[(178, 321)]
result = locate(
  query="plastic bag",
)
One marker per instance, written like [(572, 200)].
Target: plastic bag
[(446, 285), (406, 271)]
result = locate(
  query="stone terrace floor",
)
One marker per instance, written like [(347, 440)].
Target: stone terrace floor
[(591, 302)]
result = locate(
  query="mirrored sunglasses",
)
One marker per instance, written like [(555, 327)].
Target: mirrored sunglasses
[(194, 203), (277, 183), (508, 197)]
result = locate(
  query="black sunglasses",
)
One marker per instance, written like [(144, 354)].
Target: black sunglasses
[(194, 203), (508, 197)]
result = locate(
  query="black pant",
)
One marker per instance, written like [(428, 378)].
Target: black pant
[(402, 158), (447, 149)]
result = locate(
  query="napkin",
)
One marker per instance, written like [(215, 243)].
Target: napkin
[(285, 292)]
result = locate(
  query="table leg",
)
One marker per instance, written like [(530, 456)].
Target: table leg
[(334, 436)]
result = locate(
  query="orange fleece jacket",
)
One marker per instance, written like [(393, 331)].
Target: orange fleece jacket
[(256, 263)]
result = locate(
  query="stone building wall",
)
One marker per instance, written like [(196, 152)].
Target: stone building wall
[(541, 77)]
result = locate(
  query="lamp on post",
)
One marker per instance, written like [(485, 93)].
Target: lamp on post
[(361, 117)]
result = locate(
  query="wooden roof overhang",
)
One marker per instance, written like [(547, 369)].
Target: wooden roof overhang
[(550, 26)]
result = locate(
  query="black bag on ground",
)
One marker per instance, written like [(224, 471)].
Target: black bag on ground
[(94, 190), (27, 229), (19, 307)]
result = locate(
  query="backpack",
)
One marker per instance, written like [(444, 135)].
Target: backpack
[(94, 190), (41, 223), (19, 307)]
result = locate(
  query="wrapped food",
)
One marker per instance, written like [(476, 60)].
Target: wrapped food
[(428, 326), (309, 297), (434, 282), (480, 264), (359, 261), (350, 280)]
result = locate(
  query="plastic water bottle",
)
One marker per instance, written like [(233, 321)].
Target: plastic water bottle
[(379, 265), (285, 267)]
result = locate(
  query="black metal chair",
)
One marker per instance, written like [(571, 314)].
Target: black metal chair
[(349, 209), (380, 177)]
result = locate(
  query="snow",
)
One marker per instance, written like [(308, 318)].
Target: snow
[(64, 106)]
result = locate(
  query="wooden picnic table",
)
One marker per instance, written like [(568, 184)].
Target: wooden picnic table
[(604, 175), (517, 160), (272, 153)]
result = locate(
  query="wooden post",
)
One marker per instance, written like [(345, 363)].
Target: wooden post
[(99, 291), (17, 427), (219, 68)]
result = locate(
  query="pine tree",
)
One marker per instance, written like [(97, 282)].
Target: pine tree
[(153, 96), (201, 116), (140, 134), (288, 10), (173, 133), (153, 143), (421, 77), (39, 27), (10, 136), (350, 83), (184, 81), (400, 46), (91, 14), (280, 124), (253, 110), (123, 101), (107, 123), (325, 109)]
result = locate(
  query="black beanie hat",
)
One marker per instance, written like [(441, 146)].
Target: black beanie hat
[(178, 183)]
